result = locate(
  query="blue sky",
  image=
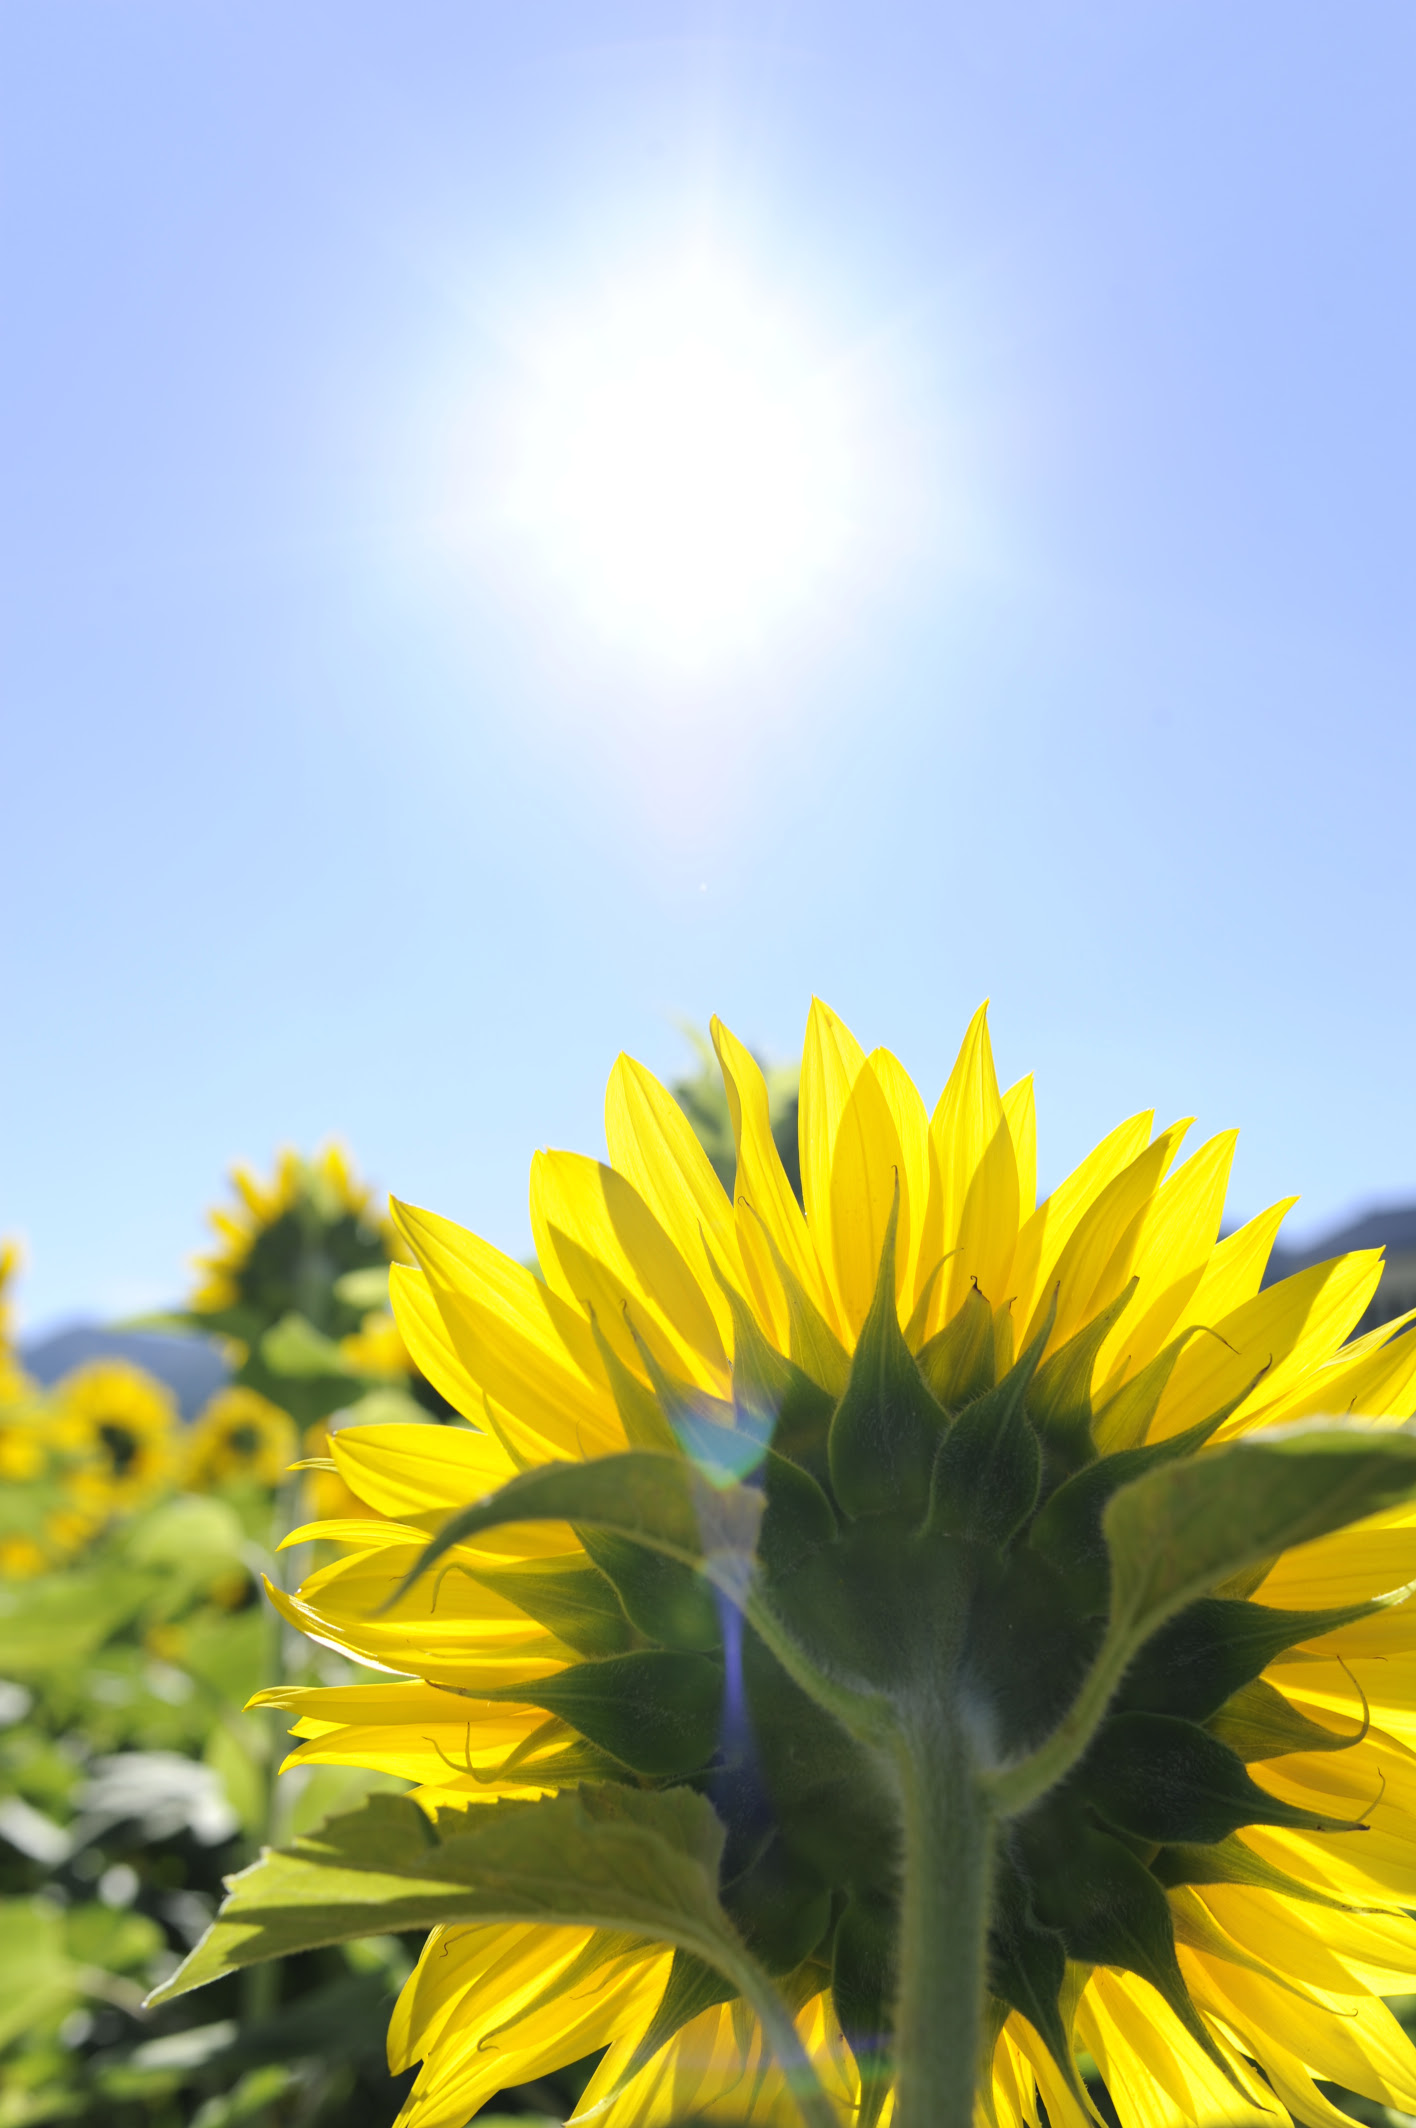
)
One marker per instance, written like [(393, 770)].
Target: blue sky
[(332, 804)]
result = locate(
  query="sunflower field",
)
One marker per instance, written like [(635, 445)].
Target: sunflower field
[(832, 1640)]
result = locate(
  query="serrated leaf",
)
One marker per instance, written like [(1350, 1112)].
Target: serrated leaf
[(634, 1861), (605, 1857), (1177, 1532)]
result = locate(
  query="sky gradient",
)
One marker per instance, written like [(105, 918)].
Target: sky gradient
[(326, 807)]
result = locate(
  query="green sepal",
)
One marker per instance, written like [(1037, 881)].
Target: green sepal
[(1122, 1420), (692, 1987), (1027, 1969), (774, 1397), (799, 1519), (1162, 1779), (645, 1425), (1231, 1862), (577, 1603), (1110, 1910), (655, 1711), (815, 1347), (1257, 1722), (780, 1906), (957, 1363), (667, 1601), (919, 1314), (1199, 1659), (1059, 1401), (1069, 1531), (887, 1428), (863, 1989), (989, 1467)]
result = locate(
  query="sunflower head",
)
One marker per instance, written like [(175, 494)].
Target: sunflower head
[(119, 1428), (240, 1438), (913, 1520), (284, 1245)]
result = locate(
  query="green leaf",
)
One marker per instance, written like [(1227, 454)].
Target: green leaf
[(364, 1289), (1177, 1532), (659, 1501), (605, 1857), (615, 1858), (294, 1346)]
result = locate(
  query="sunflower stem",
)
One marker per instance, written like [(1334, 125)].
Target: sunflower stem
[(949, 1834)]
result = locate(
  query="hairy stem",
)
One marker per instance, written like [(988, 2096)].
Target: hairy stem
[(949, 1832)]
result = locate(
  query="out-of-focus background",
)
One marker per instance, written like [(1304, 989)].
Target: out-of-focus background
[(522, 522)]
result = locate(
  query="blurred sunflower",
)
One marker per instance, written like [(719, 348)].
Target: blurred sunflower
[(119, 1428), (286, 1241), (238, 1436), (1215, 1939), (14, 1382), (21, 1559)]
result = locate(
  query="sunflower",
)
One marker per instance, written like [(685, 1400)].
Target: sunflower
[(286, 1239), (120, 1427), (947, 1393), (238, 1435), (14, 1382)]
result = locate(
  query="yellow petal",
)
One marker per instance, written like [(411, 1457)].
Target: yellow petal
[(911, 1121), (974, 1213), (1044, 1236), (1276, 1332), (762, 1183), (1173, 1249), (1096, 1262), (1235, 1269), (414, 1470), (520, 1341), (653, 1145), (850, 1161), (429, 1342), (1020, 1107), (584, 1214)]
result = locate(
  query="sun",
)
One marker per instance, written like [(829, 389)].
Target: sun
[(683, 463)]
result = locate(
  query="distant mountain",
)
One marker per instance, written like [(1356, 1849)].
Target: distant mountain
[(191, 1367), (1390, 1227)]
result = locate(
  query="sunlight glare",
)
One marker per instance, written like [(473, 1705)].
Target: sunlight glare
[(683, 467)]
